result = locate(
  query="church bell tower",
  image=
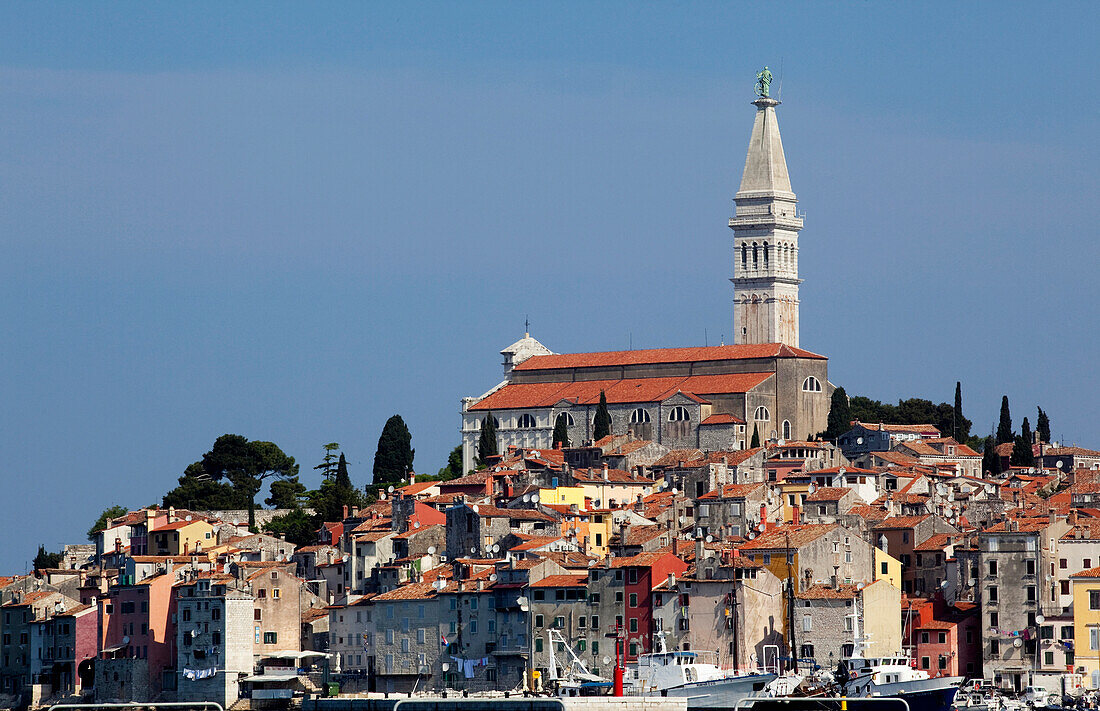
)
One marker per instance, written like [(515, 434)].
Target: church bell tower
[(765, 236)]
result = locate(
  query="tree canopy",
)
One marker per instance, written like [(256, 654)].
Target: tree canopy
[(453, 468), (487, 442), (991, 461), (393, 460), (914, 411), (1004, 426), (601, 424), (327, 502), (1042, 426), (44, 559), (561, 431), (840, 415), (1022, 453), (108, 514)]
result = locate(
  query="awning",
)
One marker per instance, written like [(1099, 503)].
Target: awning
[(110, 650), (289, 654), (271, 677)]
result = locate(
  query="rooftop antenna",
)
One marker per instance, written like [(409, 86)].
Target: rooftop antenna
[(630, 340), (779, 94), (526, 325), (705, 341)]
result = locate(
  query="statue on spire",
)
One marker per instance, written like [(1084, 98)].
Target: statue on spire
[(763, 83)]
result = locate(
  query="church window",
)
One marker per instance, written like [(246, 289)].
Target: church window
[(765, 255), (569, 421), (786, 429), (639, 416), (755, 255), (526, 421), (811, 385), (744, 257), (678, 414), (762, 414)]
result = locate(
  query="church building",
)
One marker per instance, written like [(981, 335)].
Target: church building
[(710, 398)]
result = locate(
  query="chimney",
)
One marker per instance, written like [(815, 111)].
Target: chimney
[(671, 581), (412, 478), (605, 476), (345, 512), (763, 513), (698, 555), (796, 515), (354, 511), (381, 494), (171, 514)]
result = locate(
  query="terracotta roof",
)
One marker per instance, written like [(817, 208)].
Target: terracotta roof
[(31, 598), (721, 419), (829, 493), (1090, 573), (664, 355), (694, 458), (176, 525), (934, 543), (614, 475), (408, 591), (1022, 525), (733, 491), (468, 480), (1065, 451), (562, 581), (638, 535), (920, 429), (897, 522), (642, 560), (796, 536), (626, 447), (901, 460), (570, 560), (536, 542), (632, 390), (827, 592), (416, 488), (871, 513)]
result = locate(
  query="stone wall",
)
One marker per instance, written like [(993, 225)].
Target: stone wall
[(121, 680)]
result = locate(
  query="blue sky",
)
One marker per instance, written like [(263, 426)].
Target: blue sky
[(290, 221)]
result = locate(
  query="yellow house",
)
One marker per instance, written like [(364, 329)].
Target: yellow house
[(1086, 625), (887, 568), (563, 496), (182, 538), (793, 494)]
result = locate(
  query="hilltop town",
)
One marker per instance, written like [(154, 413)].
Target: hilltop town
[(604, 505)]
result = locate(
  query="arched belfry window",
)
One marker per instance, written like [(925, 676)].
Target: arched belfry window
[(679, 414), (639, 417), (762, 414), (765, 255), (526, 421), (786, 429), (755, 255), (811, 385)]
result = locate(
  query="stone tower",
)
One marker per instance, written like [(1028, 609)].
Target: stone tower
[(765, 237)]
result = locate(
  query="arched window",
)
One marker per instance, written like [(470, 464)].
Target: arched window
[(639, 417), (811, 385), (762, 414), (765, 255), (744, 256), (526, 421), (755, 256), (786, 429), (678, 414), (569, 421)]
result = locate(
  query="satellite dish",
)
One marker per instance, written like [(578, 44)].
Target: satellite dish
[(416, 524), (861, 586), (675, 491), (187, 517), (431, 550), (473, 549), (534, 498), (752, 535), (859, 440), (606, 659), (446, 666), (236, 522), (812, 488), (535, 453), (390, 489), (596, 503), (476, 509), (126, 640), (1059, 464), (496, 547), (943, 585), (1040, 619), (492, 577), (710, 539), (1017, 642), (526, 498), (682, 519)]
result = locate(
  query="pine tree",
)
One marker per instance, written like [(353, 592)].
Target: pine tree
[(1004, 428), (1042, 426), (991, 463), (755, 437), (487, 443), (561, 431), (393, 459), (1022, 454), (840, 415), (601, 426)]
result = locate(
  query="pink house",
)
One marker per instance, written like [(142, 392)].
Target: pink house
[(945, 639), (138, 623)]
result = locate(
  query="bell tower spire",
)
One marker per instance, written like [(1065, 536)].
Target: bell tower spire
[(765, 235)]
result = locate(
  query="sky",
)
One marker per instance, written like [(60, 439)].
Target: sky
[(292, 220)]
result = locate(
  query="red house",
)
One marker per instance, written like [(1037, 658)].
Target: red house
[(945, 639), (643, 573)]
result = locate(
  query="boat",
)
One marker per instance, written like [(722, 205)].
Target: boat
[(692, 675)]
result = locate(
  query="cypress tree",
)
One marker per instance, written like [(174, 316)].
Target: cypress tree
[(487, 443), (393, 459), (561, 431), (755, 437), (601, 426), (991, 463), (1004, 428), (1042, 426), (840, 415), (1022, 454)]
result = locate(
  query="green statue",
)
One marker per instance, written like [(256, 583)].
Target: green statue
[(763, 83)]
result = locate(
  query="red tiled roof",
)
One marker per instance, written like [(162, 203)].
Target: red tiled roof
[(733, 491), (536, 542), (632, 390), (664, 355), (935, 542), (829, 493), (722, 420), (562, 581), (894, 522), (796, 536), (827, 592), (614, 475), (922, 429)]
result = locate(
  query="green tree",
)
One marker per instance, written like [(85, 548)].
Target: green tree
[(960, 425), (487, 442), (1022, 453), (286, 494), (1042, 426), (101, 523), (197, 490), (393, 460), (1004, 427), (561, 431), (299, 527), (601, 424), (453, 468), (327, 467), (991, 462), (755, 437), (329, 500), (840, 415), (44, 560)]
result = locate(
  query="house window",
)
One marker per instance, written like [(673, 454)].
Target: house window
[(924, 638), (993, 593), (678, 414), (924, 663), (811, 385), (1094, 599), (786, 429), (633, 624), (271, 637), (992, 567), (526, 421), (639, 417), (633, 599), (762, 414), (807, 623)]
